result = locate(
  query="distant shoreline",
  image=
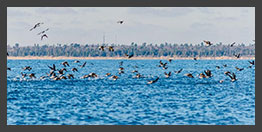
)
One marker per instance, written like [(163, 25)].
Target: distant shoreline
[(122, 58)]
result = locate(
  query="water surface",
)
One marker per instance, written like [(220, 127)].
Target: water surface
[(177, 100)]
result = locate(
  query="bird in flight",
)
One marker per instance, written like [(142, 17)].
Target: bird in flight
[(178, 71), (115, 77), (208, 73), (43, 31), (83, 65), (65, 63), (44, 35), (208, 43), (231, 45), (111, 48), (27, 68), (232, 77), (129, 56), (74, 69), (52, 68), (237, 55), (32, 75), (189, 75), (167, 74), (195, 58), (239, 69), (36, 25), (252, 62), (76, 61), (101, 48), (120, 22), (153, 81)]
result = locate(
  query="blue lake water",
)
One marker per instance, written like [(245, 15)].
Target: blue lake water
[(178, 100)]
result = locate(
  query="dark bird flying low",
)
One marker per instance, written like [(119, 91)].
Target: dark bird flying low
[(32, 75), (189, 75), (232, 77), (65, 63), (167, 74), (252, 62), (52, 68), (74, 69), (27, 68), (178, 71), (153, 81), (83, 65), (239, 69)]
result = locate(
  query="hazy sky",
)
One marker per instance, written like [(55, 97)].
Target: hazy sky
[(141, 24)]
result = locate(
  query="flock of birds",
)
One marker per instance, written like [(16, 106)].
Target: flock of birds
[(63, 73), (60, 74), (42, 33)]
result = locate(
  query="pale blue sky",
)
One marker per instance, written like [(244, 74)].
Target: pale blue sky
[(141, 24)]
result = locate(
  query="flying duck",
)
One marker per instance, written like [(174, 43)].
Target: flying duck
[(231, 45), (189, 75), (167, 74), (65, 63), (70, 76), (252, 62), (239, 69), (152, 81), (237, 55), (27, 68), (120, 22), (101, 48), (111, 48), (32, 75), (52, 68), (74, 69), (208, 73), (43, 31), (232, 77), (83, 65), (36, 25), (44, 35), (208, 43), (178, 71), (115, 77)]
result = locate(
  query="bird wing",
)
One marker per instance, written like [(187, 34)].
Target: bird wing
[(54, 67), (84, 64), (231, 77), (169, 73), (234, 76), (42, 37)]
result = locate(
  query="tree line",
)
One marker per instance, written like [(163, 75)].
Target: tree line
[(143, 50)]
